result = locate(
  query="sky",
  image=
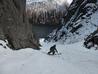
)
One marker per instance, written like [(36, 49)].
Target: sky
[(60, 2)]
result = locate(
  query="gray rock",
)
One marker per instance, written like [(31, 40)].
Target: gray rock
[(14, 25)]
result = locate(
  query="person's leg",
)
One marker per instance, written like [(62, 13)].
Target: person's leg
[(49, 52), (53, 52)]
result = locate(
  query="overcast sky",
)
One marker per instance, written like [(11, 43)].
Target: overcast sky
[(58, 1)]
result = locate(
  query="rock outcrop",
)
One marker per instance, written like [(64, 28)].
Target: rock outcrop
[(79, 19), (14, 26)]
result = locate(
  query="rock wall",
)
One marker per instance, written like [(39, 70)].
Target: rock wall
[(14, 26)]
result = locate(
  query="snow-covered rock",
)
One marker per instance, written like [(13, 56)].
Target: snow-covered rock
[(83, 22)]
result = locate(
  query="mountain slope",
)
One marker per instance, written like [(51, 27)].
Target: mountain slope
[(45, 12), (80, 24)]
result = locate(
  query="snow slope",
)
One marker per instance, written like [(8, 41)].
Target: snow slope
[(75, 59)]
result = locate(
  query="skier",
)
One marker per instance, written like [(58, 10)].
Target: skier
[(52, 50)]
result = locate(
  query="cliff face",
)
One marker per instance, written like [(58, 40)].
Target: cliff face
[(14, 26), (77, 5), (80, 21)]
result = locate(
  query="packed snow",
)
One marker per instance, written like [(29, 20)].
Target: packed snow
[(74, 59)]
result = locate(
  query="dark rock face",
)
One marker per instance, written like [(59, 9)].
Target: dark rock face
[(77, 5), (92, 40), (78, 11), (14, 26)]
